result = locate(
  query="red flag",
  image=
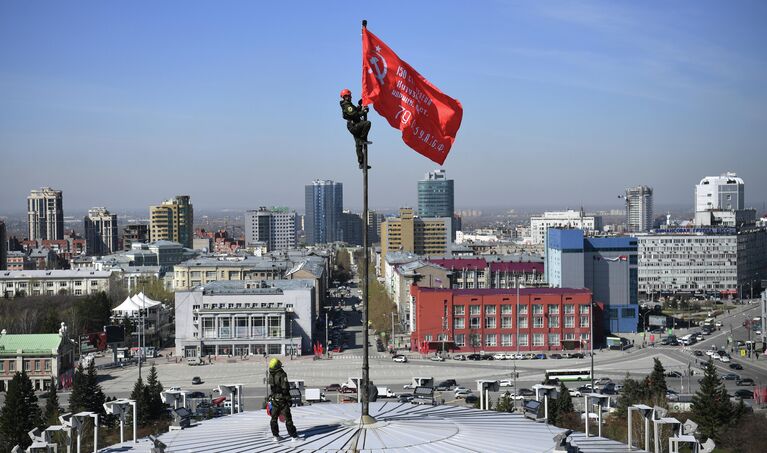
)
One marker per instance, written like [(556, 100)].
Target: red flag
[(428, 118)]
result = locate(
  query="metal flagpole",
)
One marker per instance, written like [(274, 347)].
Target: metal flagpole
[(364, 395)]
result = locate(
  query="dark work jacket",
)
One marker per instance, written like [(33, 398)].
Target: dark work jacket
[(279, 387), (352, 112)]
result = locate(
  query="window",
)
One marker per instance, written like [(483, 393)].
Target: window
[(553, 309), (569, 321), (584, 321), (458, 310), (523, 309), (489, 309), (490, 340), (538, 322), (506, 309), (12, 365), (537, 309), (569, 309), (506, 322), (627, 312), (522, 322), (37, 365), (474, 323), (474, 309), (475, 340), (553, 321), (78, 292), (490, 322), (26, 365), (583, 309), (2, 366), (275, 326), (570, 336), (460, 339), (553, 339), (584, 337), (522, 340), (537, 339), (506, 339), (459, 323), (224, 328), (427, 337)]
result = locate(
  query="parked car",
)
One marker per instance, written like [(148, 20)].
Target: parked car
[(577, 355), (697, 353), (672, 395), (731, 377), (725, 359), (744, 394), (333, 388), (399, 358), (673, 374), (555, 356), (736, 366), (575, 392), (463, 393), (459, 357), (196, 380), (608, 389), (585, 389), (506, 383), (405, 398), (474, 357), (193, 395), (499, 356), (526, 392), (447, 384), (540, 356), (745, 381), (486, 357), (460, 388), (471, 399), (437, 358)]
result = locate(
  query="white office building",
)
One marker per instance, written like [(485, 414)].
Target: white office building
[(724, 192), (562, 219), (243, 318), (53, 282), (275, 227)]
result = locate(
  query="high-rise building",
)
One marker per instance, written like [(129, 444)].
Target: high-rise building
[(374, 226), (173, 220), (435, 195), (3, 247), (351, 228), (275, 227), (45, 213), (410, 233), (324, 203), (639, 213), (100, 232), (135, 233), (725, 192)]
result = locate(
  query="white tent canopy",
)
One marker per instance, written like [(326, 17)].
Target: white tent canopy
[(132, 305)]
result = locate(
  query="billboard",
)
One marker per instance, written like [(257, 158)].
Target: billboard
[(91, 342), (657, 320), (115, 334)]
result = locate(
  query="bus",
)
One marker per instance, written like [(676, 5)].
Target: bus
[(569, 375)]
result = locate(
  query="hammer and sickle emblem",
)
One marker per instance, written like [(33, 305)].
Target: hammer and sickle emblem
[(379, 73)]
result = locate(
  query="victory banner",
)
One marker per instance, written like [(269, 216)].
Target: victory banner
[(428, 118)]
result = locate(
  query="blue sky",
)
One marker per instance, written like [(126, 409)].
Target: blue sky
[(124, 104)]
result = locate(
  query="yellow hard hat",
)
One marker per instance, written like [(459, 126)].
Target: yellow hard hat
[(274, 363)]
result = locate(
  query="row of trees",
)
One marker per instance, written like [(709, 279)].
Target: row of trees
[(21, 411)]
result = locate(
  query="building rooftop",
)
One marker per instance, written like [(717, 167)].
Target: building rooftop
[(461, 263), (61, 273), (10, 344), (253, 262), (254, 286), (522, 291), (515, 266), (334, 427)]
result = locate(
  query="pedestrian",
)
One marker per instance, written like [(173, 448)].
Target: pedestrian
[(279, 397), (356, 122)]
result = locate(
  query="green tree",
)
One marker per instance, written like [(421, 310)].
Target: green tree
[(19, 414), (633, 392), (139, 395), (94, 396), (505, 403), (78, 396), (656, 384), (564, 401), (153, 388), (711, 406), (52, 408)]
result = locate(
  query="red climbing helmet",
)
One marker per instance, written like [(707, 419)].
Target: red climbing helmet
[(345, 92)]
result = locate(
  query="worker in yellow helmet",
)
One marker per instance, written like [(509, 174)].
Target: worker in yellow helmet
[(279, 396)]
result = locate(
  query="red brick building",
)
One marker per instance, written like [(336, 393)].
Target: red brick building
[(474, 320)]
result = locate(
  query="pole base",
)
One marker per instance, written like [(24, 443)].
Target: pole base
[(367, 420)]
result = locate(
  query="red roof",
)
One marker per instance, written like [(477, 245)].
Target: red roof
[(491, 291), (516, 267), (461, 263)]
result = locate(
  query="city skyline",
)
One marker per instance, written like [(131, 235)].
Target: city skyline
[(641, 94)]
